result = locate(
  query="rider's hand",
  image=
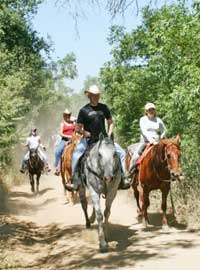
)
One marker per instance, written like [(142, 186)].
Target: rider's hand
[(153, 141), (87, 134)]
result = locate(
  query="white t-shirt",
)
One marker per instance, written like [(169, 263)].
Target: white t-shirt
[(152, 128), (33, 142)]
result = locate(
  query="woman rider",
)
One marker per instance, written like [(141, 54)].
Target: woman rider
[(152, 130), (67, 128)]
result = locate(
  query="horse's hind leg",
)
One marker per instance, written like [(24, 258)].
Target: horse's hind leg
[(84, 203), (137, 198), (146, 204)]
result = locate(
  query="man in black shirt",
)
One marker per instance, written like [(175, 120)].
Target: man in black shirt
[(90, 123)]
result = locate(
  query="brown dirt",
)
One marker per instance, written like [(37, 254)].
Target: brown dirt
[(43, 232)]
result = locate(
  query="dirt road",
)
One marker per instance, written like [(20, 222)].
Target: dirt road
[(43, 232)]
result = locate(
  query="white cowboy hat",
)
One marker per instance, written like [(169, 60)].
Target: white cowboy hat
[(66, 111), (149, 105), (93, 89)]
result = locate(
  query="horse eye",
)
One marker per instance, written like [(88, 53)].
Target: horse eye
[(168, 156)]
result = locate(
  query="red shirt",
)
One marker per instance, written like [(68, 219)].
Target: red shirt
[(68, 129)]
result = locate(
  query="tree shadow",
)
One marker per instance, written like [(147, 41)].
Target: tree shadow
[(74, 247), (155, 219)]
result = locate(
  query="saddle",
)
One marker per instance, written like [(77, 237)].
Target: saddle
[(131, 150)]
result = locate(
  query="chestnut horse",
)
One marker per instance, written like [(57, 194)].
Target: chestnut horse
[(156, 170), (65, 165)]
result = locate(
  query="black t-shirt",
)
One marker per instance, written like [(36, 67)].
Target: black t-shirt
[(93, 119)]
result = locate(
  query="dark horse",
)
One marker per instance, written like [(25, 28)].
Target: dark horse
[(35, 167), (156, 170), (103, 174)]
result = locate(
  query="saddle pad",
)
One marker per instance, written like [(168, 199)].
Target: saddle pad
[(146, 150)]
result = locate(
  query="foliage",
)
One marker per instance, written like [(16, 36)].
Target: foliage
[(28, 84)]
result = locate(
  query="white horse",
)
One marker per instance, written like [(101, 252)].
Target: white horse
[(102, 169)]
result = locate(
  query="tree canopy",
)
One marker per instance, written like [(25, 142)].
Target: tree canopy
[(157, 62)]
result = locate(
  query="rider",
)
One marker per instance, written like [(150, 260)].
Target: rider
[(152, 130), (34, 142), (90, 123), (67, 128)]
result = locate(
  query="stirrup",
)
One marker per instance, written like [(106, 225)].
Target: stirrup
[(70, 187), (22, 171)]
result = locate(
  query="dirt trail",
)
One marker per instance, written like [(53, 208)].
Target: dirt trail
[(42, 232)]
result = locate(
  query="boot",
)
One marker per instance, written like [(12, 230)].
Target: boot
[(47, 168), (125, 183), (75, 183), (23, 167), (131, 171)]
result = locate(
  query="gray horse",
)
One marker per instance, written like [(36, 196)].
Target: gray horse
[(103, 174)]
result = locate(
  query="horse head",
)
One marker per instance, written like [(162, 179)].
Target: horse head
[(33, 154), (108, 160), (172, 156)]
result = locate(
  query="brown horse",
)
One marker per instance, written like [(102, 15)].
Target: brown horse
[(156, 170), (65, 166)]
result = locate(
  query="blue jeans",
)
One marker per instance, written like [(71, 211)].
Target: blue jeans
[(83, 145), (59, 152)]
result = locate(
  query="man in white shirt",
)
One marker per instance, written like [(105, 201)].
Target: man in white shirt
[(34, 142)]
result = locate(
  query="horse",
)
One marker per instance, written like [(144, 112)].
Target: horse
[(65, 166), (35, 166), (157, 168), (102, 171)]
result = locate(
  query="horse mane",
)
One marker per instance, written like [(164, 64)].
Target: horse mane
[(158, 154)]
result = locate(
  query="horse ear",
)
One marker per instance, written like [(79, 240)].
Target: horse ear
[(101, 137)]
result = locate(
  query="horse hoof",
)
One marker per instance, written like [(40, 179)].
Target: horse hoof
[(104, 249), (145, 224), (165, 228)]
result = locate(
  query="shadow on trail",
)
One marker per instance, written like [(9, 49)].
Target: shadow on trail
[(74, 247), (16, 202), (155, 219), (16, 194)]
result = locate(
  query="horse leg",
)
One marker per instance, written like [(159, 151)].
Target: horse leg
[(109, 199), (165, 192), (84, 204), (38, 182), (103, 245), (137, 198), (31, 178), (93, 216), (146, 204)]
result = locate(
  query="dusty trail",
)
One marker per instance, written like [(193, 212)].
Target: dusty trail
[(42, 232)]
